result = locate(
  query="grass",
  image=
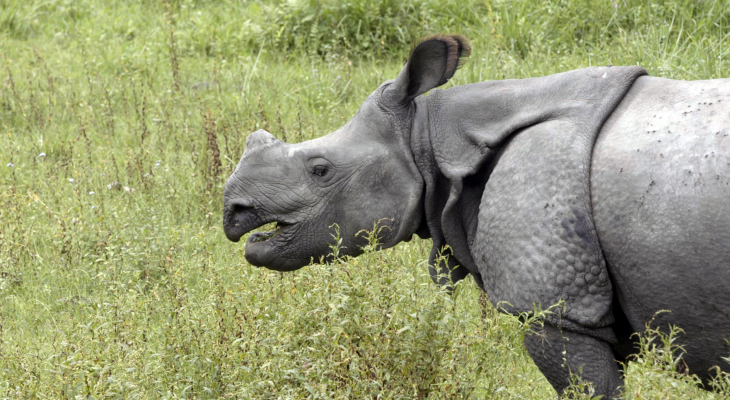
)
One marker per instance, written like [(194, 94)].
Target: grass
[(119, 122)]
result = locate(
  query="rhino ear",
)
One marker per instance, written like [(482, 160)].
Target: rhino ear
[(431, 64)]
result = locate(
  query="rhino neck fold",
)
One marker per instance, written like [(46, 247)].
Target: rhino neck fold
[(412, 220), (445, 267), (454, 175)]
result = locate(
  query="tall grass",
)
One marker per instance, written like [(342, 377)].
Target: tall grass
[(119, 122)]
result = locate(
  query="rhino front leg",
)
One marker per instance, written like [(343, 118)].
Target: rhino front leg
[(558, 353)]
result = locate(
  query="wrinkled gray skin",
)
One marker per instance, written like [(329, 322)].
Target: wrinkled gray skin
[(603, 188)]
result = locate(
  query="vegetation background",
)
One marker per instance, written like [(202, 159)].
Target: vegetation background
[(119, 123)]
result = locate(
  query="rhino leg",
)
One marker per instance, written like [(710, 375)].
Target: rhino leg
[(558, 353)]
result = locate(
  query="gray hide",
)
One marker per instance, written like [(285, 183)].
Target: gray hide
[(601, 189)]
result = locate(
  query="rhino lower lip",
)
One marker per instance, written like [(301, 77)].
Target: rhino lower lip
[(266, 249)]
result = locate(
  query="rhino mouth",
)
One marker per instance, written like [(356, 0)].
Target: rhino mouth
[(241, 217), (270, 249), (258, 237), (239, 221)]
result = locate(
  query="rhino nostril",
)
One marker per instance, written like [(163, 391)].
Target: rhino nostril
[(238, 219), (238, 214), (239, 202), (238, 209)]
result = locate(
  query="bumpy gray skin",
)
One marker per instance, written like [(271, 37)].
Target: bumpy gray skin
[(603, 189)]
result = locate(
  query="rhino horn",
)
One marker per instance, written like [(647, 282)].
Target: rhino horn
[(260, 139)]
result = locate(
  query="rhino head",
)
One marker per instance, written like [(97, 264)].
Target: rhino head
[(359, 176)]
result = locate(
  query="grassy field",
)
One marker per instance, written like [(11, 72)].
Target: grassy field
[(119, 123)]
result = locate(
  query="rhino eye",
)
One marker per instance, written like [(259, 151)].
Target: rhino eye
[(320, 170)]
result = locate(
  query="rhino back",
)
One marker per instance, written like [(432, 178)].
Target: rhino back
[(660, 188)]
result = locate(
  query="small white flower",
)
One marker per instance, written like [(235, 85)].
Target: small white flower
[(71, 180), (93, 207), (11, 165), (42, 155), (91, 192)]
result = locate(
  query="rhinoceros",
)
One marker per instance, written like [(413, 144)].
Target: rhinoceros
[(602, 189)]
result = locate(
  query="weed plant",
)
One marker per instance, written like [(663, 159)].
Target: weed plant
[(119, 122)]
